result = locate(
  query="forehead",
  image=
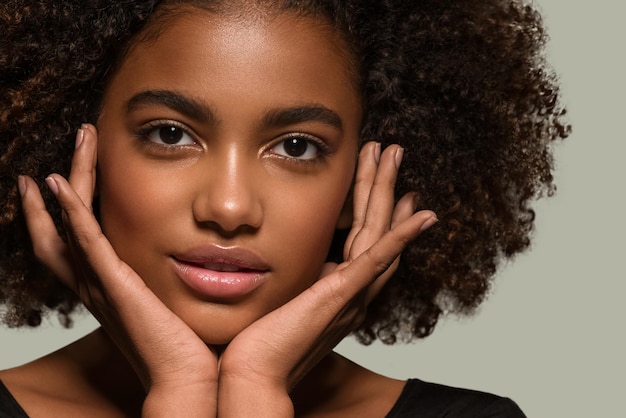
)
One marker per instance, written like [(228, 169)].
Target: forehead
[(282, 54), (232, 16)]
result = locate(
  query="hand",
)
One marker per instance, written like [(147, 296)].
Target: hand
[(272, 354), (177, 369)]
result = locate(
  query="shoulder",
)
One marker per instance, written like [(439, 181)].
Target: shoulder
[(24, 394), (431, 400), (53, 385), (23, 391)]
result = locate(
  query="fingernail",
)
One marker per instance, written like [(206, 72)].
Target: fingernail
[(79, 137), (377, 152), (399, 155), (21, 185), (430, 222), (52, 185)]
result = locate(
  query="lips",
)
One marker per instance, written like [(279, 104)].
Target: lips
[(221, 273)]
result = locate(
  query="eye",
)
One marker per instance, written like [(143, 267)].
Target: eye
[(299, 147), (167, 134)]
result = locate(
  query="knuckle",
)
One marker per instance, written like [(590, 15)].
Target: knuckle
[(402, 239), (379, 264), (86, 239), (332, 292), (375, 225)]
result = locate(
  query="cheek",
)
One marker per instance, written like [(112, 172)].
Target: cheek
[(307, 222), (133, 200)]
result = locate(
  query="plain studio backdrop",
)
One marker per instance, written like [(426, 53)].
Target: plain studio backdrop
[(551, 335)]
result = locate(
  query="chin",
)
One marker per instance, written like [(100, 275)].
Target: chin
[(218, 325), (218, 337)]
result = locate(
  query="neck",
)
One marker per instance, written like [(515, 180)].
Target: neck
[(105, 369), (325, 384)]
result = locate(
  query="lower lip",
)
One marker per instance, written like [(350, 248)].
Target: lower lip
[(219, 284)]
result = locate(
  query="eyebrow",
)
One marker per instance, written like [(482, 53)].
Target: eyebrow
[(173, 100), (199, 111), (298, 114)]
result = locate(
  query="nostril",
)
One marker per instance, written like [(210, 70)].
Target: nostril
[(225, 232)]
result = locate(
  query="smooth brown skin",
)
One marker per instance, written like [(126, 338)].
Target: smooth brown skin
[(228, 183)]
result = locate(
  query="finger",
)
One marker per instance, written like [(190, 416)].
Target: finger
[(366, 172), (374, 289), (400, 214), (93, 133), (117, 277), (83, 171), (372, 263), (404, 209), (48, 246), (369, 159), (380, 203)]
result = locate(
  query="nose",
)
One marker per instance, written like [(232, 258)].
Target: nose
[(228, 198)]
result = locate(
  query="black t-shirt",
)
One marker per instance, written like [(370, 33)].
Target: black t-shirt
[(9, 408), (418, 400), (429, 400)]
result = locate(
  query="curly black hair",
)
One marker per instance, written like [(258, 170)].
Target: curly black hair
[(462, 85)]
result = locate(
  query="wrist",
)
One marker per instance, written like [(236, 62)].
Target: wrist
[(197, 400), (245, 398)]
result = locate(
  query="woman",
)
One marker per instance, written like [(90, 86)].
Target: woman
[(226, 138)]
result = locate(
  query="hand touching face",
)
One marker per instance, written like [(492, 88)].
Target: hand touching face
[(223, 168)]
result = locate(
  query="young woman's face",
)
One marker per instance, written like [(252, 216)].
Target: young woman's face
[(226, 152)]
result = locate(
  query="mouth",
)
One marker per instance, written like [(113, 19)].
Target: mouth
[(224, 266), (221, 273)]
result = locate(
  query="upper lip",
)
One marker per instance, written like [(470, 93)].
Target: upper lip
[(239, 257)]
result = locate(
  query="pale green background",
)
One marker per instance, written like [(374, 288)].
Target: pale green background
[(552, 334)]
